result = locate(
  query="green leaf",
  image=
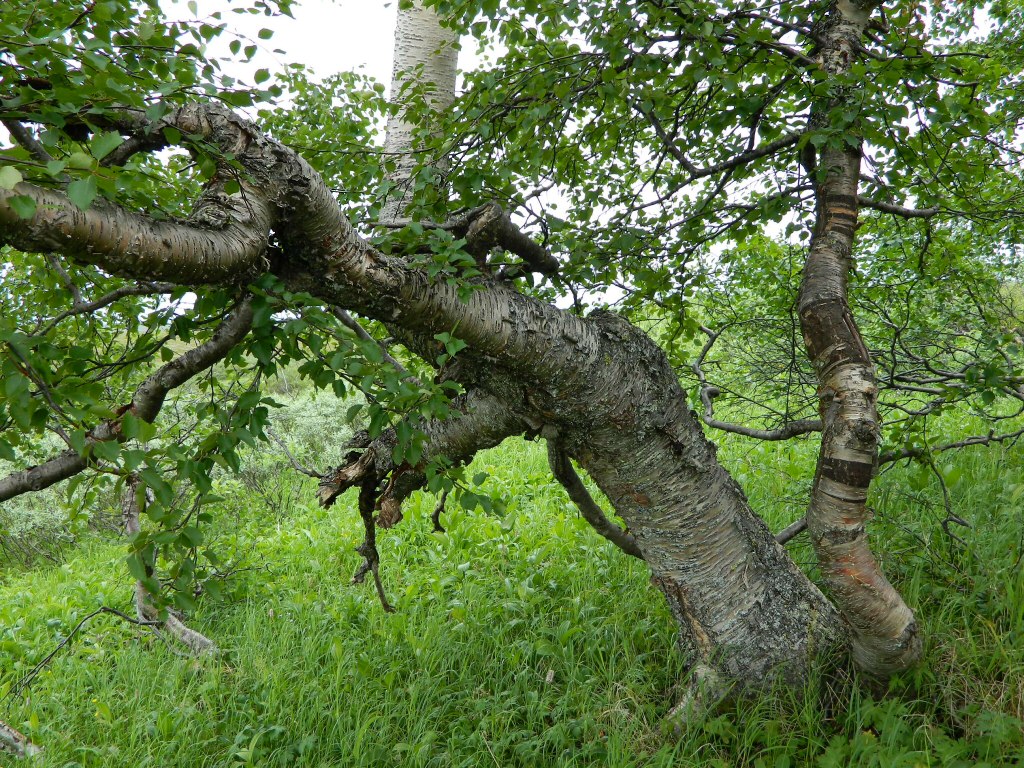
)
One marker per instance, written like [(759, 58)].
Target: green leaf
[(136, 567), (23, 205), (191, 536), (82, 192), (9, 176), (81, 161), (105, 143)]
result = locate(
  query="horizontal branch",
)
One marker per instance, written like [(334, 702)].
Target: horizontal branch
[(915, 453), (487, 227), (479, 420), (696, 172), (708, 393), (316, 251), (898, 210), (791, 531), (81, 307)]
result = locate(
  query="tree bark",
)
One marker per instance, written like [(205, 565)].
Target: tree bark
[(198, 643), (884, 635), (15, 743), (426, 56), (599, 385)]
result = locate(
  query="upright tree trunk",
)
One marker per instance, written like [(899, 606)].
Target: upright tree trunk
[(884, 634), (426, 56)]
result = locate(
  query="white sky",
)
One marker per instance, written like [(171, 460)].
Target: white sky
[(327, 36)]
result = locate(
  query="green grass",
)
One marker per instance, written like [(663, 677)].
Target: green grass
[(521, 640)]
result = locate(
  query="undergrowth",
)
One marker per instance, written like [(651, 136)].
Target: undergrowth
[(521, 639)]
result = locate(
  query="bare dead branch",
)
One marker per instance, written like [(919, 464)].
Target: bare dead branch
[(291, 458), (915, 453)]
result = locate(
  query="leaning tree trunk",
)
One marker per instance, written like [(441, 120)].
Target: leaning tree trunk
[(596, 386), (884, 635)]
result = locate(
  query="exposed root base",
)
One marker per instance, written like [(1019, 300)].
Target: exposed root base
[(704, 693)]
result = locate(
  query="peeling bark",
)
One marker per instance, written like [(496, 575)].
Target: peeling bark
[(884, 635), (597, 384), (426, 55)]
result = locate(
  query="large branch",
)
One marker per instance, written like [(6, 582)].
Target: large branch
[(145, 404), (479, 420), (224, 240)]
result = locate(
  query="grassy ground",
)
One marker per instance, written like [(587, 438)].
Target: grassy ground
[(520, 640)]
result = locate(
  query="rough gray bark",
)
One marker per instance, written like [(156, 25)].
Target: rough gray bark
[(884, 634), (15, 743)]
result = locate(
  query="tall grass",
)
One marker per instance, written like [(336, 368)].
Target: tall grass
[(521, 639)]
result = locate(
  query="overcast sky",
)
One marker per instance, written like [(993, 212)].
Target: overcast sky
[(326, 35)]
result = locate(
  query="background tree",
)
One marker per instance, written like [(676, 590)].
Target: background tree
[(682, 140)]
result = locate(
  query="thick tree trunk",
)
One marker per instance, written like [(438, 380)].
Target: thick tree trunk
[(884, 634), (605, 391), (746, 612)]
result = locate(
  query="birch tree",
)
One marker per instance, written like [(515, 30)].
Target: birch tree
[(666, 128)]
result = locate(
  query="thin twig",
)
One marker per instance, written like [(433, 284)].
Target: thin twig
[(294, 462)]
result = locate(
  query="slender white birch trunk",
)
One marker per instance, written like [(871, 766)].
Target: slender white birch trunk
[(426, 55)]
